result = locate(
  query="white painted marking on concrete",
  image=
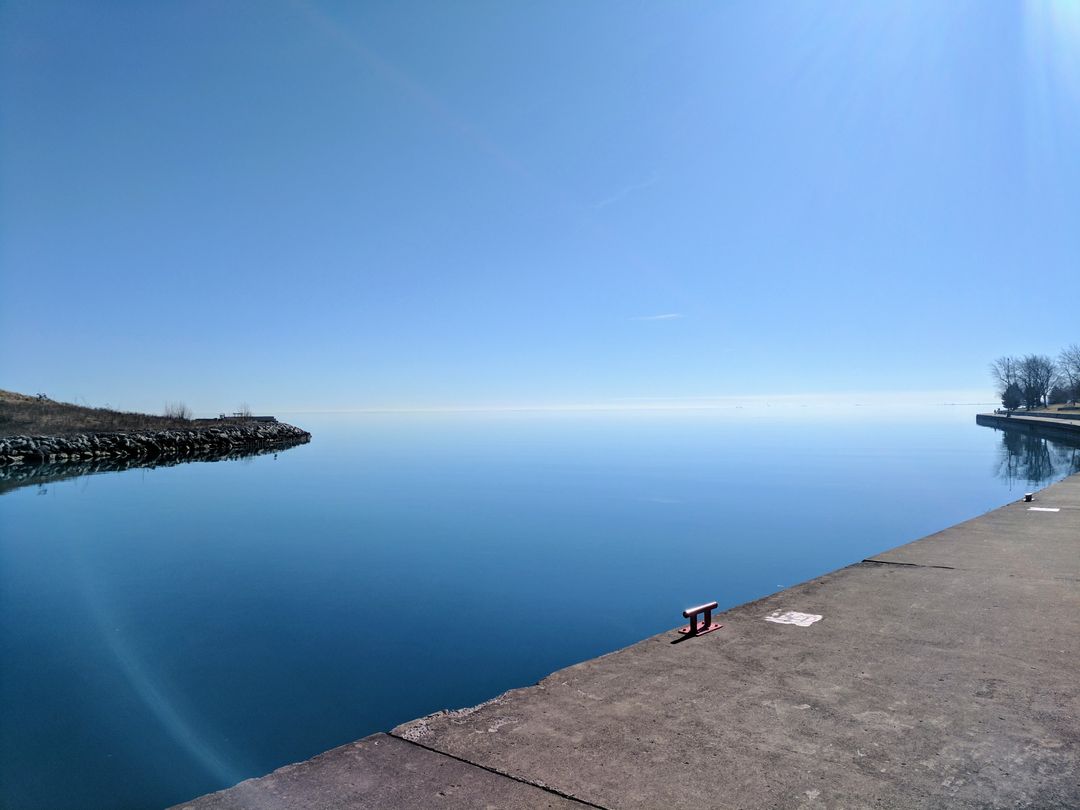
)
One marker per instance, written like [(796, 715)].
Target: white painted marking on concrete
[(791, 617), (1043, 509)]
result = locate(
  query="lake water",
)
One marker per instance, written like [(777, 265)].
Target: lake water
[(168, 632)]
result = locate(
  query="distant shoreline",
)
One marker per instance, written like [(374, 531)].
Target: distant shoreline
[(39, 430)]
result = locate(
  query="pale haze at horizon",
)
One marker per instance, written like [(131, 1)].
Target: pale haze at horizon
[(423, 205)]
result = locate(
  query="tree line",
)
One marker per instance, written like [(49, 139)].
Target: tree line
[(1036, 380)]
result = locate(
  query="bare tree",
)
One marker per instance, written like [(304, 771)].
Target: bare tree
[(1037, 374), (244, 410), (1058, 395), (1069, 369), (177, 410), (1005, 371)]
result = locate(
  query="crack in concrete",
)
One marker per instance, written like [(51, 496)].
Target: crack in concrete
[(541, 785), (910, 564), (1059, 578)]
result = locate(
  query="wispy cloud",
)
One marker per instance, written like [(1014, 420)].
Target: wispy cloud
[(624, 192), (664, 316)]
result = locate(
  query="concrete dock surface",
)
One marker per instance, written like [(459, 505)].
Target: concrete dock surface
[(944, 673)]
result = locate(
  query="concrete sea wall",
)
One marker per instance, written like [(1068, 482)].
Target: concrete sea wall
[(1062, 428)]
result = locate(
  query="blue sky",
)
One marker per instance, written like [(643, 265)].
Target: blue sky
[(402, 204)]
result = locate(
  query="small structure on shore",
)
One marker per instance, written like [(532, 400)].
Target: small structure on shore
[(245, 417)]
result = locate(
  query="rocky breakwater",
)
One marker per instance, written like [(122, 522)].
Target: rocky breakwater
[(161, 444)]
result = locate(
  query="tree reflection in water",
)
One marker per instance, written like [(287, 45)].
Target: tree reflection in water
[(1027, 457)]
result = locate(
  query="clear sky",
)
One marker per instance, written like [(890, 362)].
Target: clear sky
[(403, 204)]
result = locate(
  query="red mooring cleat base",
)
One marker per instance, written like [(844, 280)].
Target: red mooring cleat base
[(701, 630)]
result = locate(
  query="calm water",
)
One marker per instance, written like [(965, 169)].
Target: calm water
[(167, 632)]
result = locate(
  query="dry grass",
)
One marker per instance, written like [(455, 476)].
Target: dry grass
[(1062, 407), (22, 415)]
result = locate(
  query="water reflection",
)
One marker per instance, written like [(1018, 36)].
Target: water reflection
[(1026, 456), (14, 476), (161, 639)]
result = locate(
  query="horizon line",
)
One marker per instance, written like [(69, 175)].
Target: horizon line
[(692, 403)]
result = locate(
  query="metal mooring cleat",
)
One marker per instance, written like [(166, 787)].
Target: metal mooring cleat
[(706, 626)]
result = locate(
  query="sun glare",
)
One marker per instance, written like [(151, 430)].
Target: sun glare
[(1052, 33)]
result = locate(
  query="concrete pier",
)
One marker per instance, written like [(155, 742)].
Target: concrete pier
[(940, 674), (1066, 428)]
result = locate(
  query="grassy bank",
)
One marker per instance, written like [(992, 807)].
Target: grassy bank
[(22, 415)]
